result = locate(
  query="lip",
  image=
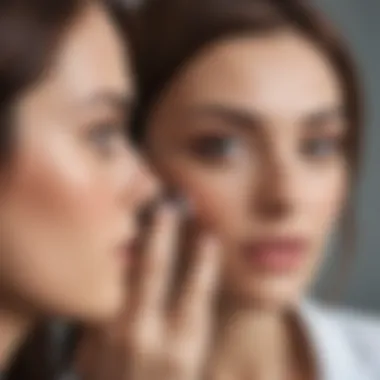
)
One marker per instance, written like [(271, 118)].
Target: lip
[(275, 254)]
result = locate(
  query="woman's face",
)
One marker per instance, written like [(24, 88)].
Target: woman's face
[(68, 207), (252, 131)]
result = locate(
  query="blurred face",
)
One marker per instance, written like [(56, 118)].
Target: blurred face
[(252, 131), (68, 206)]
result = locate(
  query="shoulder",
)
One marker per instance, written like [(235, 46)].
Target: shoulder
[(354, 335)]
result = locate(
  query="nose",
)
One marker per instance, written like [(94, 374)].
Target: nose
[(277, 189), (143, 185)]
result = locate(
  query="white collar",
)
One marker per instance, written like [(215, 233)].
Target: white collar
[(336, 359)]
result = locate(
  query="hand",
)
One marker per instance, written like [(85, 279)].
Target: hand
[(154, 338)]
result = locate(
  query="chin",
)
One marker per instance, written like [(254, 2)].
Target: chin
[(99, 307), (270, 293)]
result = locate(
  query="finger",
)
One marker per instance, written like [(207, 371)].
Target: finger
[(196, 300), (189, 236), (157, 261)]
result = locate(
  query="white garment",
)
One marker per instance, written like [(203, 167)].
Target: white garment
[(346, 343)]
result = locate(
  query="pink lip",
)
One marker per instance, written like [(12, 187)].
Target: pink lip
[(275, 254)]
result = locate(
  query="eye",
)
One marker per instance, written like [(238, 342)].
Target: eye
[(322, 147), (106, 137), (215, 147)]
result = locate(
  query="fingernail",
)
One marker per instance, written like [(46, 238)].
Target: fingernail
[(212, 240), (182, 203), (170, 200), (186, 206)]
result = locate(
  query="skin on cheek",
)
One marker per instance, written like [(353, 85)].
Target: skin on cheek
[(325, 196), (61, 202), (208, 193), (53, 182), (59, 206)]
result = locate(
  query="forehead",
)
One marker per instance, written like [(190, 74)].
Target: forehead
[(92, 58), (281, 73)]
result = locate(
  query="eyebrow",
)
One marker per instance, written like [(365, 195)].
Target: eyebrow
[(319, 117), (119, 100), (244, 118), (232, 115)]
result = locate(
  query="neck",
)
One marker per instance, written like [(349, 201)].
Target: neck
[(253, 341), (14, 328)]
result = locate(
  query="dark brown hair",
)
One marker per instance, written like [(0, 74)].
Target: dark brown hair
[(172, 32), (30, 32)]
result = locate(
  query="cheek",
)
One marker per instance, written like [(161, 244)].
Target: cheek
[(59, 202), (217, 197), (58, 185), (56, 202), (325, 198)]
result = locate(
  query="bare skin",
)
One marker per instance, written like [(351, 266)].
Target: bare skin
[(151, 340)]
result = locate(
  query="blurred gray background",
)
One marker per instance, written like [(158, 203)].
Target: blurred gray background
[(359, 21)]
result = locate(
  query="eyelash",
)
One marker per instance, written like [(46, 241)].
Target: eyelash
[(214, 147), (106, 137), (218, 147), (315, 148)]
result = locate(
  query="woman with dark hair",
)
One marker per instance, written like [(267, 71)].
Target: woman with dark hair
[(71, 187), (252, 109)]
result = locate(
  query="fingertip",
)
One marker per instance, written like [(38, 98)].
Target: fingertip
[(212, 244), (168, 211), (211, 256)]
